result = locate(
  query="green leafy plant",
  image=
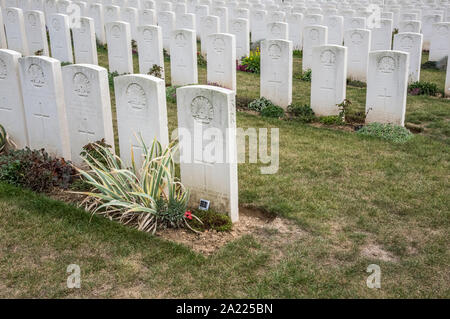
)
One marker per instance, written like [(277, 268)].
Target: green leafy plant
[(3, 138), (65, 63), (148, 197), (356, 83), (272, 111), (306, 75), (35, 169), (390, 132), (259, 104), (111, 76), (211, 220), (252, 63), (171, 94), (166, 55), (331, 120), (430, 65), (302, 113), (201, 61), (156, 71), (95, 152), (423, 88)]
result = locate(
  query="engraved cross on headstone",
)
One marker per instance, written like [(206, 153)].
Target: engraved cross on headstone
[(385, 97)]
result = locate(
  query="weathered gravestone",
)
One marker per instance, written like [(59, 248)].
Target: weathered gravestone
[(60, 41), (207, 130), (335, 26), (221, 58), (329, 79), (358, 43), (276, 71), (12, 114), (411, 43), (141, 111), (150, 47), (84, 43), (88, 106), (277, 30), (313, 35), (45, 110), (15, 30), (440, 41), (118, 37), (387, 83), (183, 58), (36, 33), (241, 30)]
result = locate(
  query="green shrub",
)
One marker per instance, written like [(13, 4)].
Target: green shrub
[(156, 71), (302, 113), (211, 221), (272, 111), (306, 75), (430, 65), (147, 197), (331, 120), (252, 63), (111, 76), (356, 83), (390, 132), (423, 88), (35, 169), (259, 104), (171, 94), (95, 152), (201, 61)]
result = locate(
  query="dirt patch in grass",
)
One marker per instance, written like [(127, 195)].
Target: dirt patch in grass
[(374, 251), (273, 231)]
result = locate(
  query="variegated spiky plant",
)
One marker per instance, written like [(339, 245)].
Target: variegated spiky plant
[(146, 197)]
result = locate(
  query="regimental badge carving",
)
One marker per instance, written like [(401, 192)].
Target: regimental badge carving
[(81, 84), (237, 26), (202, 110), (328, 57), (11, 16), (32, 19), (442, 30), (275, 30), (135, 96), (36, 75), (3, 70), (275, 51), (83, 26), (219, 45), (56, 24), (115, 31), (314, 34), (409, 27), (407, 42), (148, 35), (386, 64), (180, 39), (356, 38)]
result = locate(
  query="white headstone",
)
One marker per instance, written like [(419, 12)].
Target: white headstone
[(313, 35), (208, 25), (440, 41), (148, 4), (84, 43), (183, 58), (150, 48), (313, 19), (120, 57), (277, 30), (222, 13), (37, 5), (45, 110), (335, 26), (357, 23), (210, 170), (427, 28), (241, 30), (131, 16), (12, 114), (329, 79), (60, 41), (141, 111), (221, 57), (358, 43), (258, 25), (88, 106), (166, 20), (276, 71), (295, 22), (186, 21), (276, 16), (15, 30), (410, 26), (3, 44), (96, 13), (387, 83), (111, 14), (50, 7), (36, 33), (147, 17), (411, 43), (447, 81), (382, 37)]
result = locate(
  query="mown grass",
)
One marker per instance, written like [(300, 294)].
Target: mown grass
[(348, 193)]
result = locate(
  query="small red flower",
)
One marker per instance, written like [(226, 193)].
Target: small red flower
[(188, 214)]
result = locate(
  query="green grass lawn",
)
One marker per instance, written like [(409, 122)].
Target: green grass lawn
[(349, 194)]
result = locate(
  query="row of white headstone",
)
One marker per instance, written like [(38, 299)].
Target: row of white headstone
[(62, 109)]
